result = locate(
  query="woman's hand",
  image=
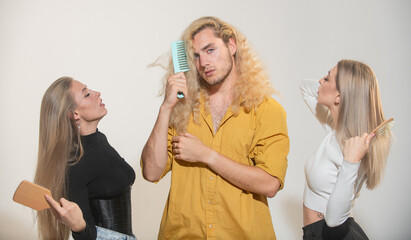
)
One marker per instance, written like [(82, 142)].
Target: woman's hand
[(356, 147), (68, 213)]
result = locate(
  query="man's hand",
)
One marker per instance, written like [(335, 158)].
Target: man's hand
[(189, 148), (175, 83)]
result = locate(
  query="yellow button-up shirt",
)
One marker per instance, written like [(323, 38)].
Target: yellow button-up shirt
[(201, 204)]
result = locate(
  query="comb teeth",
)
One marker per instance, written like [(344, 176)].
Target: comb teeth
[(179, 57), (384, 128)]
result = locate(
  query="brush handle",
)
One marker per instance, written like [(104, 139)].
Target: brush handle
[(180, 95)]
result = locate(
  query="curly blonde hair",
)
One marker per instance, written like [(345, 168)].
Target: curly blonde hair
[(252, 85)]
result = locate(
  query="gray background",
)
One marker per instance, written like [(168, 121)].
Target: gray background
[(108, 45)]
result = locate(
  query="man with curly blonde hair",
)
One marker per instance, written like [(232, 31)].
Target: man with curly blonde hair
[(226, 142)]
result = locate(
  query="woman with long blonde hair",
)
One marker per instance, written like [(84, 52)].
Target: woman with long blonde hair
[(347, 104), (76, 162)]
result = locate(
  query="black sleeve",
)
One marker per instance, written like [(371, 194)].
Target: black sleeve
[(78, 193)]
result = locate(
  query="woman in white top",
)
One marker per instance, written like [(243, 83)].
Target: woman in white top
[(347, 104)]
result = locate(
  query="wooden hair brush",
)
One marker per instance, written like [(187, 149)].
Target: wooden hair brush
[(31, 195), (384, 127)]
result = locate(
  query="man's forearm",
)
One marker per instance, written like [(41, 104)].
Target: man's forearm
[(249, 178), (154, 155)]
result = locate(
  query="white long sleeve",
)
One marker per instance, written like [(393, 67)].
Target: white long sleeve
[(342, 197), (309, 92), (331, 182)]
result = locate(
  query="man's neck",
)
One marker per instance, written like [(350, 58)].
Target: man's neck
[(221, 97)]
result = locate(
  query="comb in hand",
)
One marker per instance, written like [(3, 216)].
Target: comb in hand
[(180, 63)]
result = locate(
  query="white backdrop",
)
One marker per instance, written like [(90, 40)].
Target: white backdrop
[(108, 45)]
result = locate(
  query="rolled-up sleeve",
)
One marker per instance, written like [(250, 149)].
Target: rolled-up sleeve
[(271, 140)]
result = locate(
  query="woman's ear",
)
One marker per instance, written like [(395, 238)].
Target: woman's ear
[(337, 99), (74, 115)]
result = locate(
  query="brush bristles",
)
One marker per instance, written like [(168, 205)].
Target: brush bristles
[(384, 129)]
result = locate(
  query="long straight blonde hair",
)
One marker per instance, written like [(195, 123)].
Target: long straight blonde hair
[(59, 146), (361, 112), (252, 86)]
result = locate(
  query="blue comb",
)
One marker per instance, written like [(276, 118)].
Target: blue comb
[(180, 63)]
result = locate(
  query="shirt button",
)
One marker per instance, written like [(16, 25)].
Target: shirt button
[(210, 226), (211, 178), (209, 201)]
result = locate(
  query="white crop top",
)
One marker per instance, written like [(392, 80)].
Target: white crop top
[(331, 181)]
